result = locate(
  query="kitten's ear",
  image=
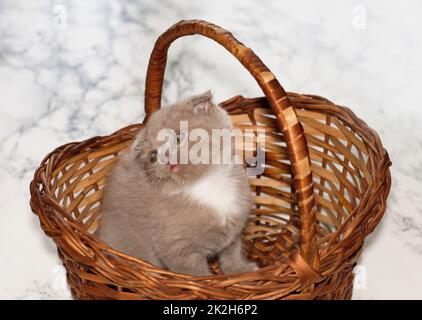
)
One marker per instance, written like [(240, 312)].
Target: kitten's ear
[(202, 104)]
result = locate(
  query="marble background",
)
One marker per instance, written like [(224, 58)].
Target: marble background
[(73, 69)]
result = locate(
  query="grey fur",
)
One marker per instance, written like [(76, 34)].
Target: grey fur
[(145, 215)]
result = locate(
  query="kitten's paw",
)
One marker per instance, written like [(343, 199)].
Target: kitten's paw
[(201, 273), (247, 266), (250, 267)]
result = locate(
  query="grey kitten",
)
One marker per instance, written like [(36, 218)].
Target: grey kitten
[(178, 215)]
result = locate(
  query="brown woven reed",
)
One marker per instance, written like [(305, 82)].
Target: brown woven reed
[(323, 190)]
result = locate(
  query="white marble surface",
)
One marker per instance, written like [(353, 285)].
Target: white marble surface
[(73, 69)]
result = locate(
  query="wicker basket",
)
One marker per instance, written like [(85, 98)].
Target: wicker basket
[(323, 190)]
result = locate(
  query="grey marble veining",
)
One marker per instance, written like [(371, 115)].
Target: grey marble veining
[(74, 69)]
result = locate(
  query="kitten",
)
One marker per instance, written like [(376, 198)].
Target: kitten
[(178, 215)]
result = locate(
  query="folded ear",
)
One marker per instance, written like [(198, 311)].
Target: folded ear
[(201, 98), (202, 104)]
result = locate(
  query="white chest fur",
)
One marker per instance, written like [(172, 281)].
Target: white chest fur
[(217, 190)]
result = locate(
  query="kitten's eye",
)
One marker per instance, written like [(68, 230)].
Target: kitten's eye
[(153, 156)]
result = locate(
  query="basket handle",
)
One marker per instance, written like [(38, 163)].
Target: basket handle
[(276, 96)]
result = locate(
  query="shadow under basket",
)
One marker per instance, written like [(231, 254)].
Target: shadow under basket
[(323, 189)]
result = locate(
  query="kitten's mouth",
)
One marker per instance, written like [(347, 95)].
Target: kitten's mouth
[(174, 168)]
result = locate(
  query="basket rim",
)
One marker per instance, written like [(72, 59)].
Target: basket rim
[(91, 248)]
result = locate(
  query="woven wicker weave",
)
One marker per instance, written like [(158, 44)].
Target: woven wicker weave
[(323, 190)]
